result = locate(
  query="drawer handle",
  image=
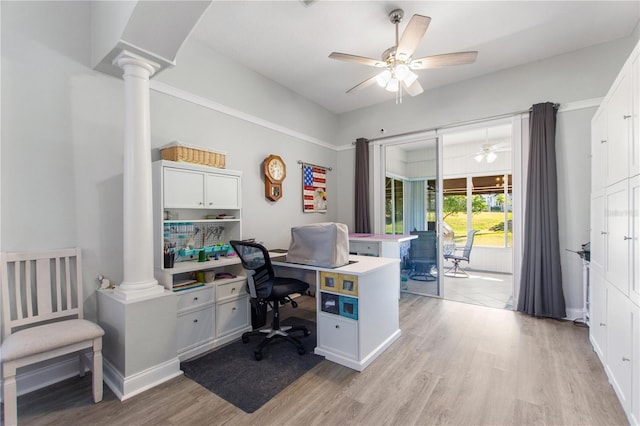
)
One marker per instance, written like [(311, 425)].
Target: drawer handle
[(625, 359), (195, 320), (233, 289), (603, 233), (602, 324), (603, 141), (624, 117), (627, 238), (337, 326)]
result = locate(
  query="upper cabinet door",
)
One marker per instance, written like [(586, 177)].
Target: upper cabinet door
[(634, 227), (635, 111), (183, 189), (223, 192), (598, 149), (617, 242), (619, 129)]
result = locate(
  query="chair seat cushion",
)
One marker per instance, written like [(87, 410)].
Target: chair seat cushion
[(43, 338), (283, 286)]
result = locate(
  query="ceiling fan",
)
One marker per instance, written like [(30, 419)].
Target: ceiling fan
[(398, 61), (489, 151)]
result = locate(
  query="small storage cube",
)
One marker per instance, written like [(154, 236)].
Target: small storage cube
[(348, 284), (330, 303), (329, 281), (348, 307)]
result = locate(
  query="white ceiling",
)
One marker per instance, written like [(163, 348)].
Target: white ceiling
[(289, 41)]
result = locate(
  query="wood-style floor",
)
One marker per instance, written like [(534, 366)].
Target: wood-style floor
[(454, 364)]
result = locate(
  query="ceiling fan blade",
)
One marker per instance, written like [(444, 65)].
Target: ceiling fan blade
[(445, 60), (357, 59), (414, 89), (368, 82), (411, 37)]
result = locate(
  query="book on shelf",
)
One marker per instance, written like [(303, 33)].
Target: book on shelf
[(186, 284)]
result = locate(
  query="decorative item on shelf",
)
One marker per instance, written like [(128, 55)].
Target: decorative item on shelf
[(202, 256), (177, 151), (274, 173)]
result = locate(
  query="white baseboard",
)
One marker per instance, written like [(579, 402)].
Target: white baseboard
[(126, 387)]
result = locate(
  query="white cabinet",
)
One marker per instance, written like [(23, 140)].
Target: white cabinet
[(211, 316), (618, 109), (621, 317), (615, 236), (598, 149), (339, 335), (598, 314), (194, 189), (358, 313), (634, 230)]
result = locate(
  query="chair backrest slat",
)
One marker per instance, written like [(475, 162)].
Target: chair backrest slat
[(43, 287), (40, 287)]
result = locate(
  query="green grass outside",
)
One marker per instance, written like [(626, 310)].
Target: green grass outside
[(482, 222)]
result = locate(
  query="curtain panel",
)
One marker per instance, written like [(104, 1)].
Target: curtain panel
[(541, 292), (362, 219)]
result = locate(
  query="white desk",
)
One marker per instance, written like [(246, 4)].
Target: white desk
[(354, 343), (382, 245)]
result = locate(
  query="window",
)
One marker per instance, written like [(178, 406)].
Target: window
[(482, 203), (394, 202)]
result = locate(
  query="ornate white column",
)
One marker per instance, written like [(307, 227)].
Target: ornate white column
[(138, 247)]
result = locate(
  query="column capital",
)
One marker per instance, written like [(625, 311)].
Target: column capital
[(135, 65)]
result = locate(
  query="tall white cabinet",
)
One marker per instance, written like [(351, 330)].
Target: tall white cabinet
[(198, 206), (615, 236)]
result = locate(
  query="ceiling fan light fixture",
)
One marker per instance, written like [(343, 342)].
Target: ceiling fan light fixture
[(401, 71), (491, 157), (478, 157), (410, 78), (383, 78), (393, 85)]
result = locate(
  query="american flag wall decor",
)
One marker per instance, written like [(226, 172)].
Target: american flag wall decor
[(314, 189)]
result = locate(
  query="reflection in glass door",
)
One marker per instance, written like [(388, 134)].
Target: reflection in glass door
[(411, 204)]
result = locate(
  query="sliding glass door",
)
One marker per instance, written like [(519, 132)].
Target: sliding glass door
[(410, 207)]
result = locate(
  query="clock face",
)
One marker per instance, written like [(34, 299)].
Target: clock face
[(276, 169)]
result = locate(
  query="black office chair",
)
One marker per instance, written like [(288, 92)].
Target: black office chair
[(276, 291), (459, 254)]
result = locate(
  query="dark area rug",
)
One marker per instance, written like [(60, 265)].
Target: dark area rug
[(233, 374)]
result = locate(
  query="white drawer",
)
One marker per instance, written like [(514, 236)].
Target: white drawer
[(194, 327), (232, 316), (231, 289), (193, 298), (371, 249), (338, 335)]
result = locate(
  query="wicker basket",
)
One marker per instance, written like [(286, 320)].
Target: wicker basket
[(194, 155)]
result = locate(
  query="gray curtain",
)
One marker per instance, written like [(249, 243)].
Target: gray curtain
[(541, 278), (363, 222)]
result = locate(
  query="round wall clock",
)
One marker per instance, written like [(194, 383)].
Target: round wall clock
[(274, 173)]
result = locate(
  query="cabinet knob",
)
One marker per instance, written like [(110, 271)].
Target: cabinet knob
[(233, 309), (624, 117), (626, 359), (195, 320), (210, 203), (603, 141), (233, 289), (200, 203), (603, 233), (627, 238), (337, 326), (603, 324), (195, 298)]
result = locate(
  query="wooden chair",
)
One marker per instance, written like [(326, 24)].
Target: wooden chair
[(42, 318)]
